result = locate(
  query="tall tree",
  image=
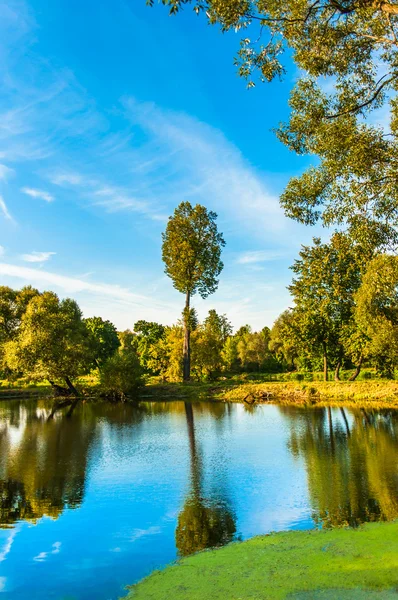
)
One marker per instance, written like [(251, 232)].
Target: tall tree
[(191, 251), (353, 46)]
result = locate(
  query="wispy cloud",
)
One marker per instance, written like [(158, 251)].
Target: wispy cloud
[(34, 193), (139, 533), (2, 250), (42, 556), (4, 210), (72, 285), (37, 257), (259, 256), (8, 544), (185, 158), (66, 178), (5, 172)]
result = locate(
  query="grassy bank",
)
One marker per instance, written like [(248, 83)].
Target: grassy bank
[(359, 393), (376, 393), (333, 564)]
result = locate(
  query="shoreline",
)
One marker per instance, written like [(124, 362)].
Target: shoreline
[(335, 563), (361, 394), (365, 394)]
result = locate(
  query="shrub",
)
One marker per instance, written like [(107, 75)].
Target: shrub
[(121, 375)]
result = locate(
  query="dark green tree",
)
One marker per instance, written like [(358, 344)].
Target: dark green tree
[(191, 251), (103, 339)]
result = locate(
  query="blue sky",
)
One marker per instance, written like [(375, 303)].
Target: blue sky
[(113, 113)]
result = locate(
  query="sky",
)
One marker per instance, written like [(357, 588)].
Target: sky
[(111, 114)]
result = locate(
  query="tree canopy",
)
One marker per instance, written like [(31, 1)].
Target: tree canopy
[(52, 341), (346, 52)]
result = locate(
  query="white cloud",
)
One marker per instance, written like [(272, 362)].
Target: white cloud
[(56, 548), (4, 210), (8, 544), (66, 178), (2, 250), (5, 172), (140, 533), (34, 193), (37, 257), (72, 285), (185, 158), (259, 256), (41, 557)]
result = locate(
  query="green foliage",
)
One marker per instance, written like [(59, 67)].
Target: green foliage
[(103, 339), (191, 250), (128, 340), (166, 355), (229, 354), (207, 345), (121, 375), (283, 341), (253, 351), (351, 46), (327, 276), (13, 304), (148, 334), (51, 342), (376, 312)]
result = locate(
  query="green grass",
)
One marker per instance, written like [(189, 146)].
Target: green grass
[(252, 387), (375, 393), (333, 564)]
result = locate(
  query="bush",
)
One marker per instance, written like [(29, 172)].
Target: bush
[(121, 375)]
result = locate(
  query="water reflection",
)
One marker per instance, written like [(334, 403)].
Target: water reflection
[(351, 468), (138, 485), (203, 522), (43, 461)]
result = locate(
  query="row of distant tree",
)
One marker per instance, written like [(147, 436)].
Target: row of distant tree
[(345, 314)]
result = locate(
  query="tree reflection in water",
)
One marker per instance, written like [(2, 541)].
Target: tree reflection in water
[(352, 470), (44, 450), (203, 522), (43, 461)]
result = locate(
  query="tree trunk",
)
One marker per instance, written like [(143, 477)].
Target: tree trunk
[(187, 342), (59, 390), (71, 387), (357, 370), (345, 421), (337, 371), (325, 363), (331, 432)]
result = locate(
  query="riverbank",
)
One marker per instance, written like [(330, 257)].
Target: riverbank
[(323, 564), (377, 393)]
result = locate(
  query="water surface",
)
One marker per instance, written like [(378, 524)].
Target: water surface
[(96, 497)]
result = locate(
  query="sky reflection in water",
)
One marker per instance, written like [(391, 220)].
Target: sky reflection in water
[(96, 498)]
